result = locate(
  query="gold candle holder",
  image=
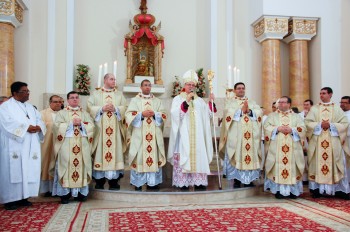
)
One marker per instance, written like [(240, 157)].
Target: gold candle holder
[(230, 93)]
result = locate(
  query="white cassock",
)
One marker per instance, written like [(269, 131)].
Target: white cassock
[(20, 157), (185, 172)]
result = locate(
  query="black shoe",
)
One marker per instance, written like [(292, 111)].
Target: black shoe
[(292, 196), (80, 198), (224, 176), (121, 175), (185, 188), (11, 206), (48, 194), (279, 196), (342, 195), (249, 185), (236, 184), (200, 188), (65, 198), (99, 186), (305, 182), (114, 187), (346, 196), (316, 194), (138, 188), (156, 187), (24, 202), (64, 201), (113, 184), (100, 183)]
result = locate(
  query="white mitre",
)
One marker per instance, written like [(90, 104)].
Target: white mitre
[(190, 76)]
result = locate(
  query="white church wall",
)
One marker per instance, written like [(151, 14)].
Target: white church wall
[(30, 50), (247, 51), (100, 26), (345, 48)]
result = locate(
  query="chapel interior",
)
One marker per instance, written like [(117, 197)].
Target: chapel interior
[(280, 47)]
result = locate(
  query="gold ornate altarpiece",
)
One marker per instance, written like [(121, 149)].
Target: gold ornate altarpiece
[(144, 47)]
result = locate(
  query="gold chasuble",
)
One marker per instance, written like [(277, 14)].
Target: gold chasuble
[(47, 152), (285, 158), (72, 150), (325, 155), (109, 138), (241, 139), (146, 143)]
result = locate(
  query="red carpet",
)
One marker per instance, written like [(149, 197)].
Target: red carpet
[(330, 201), (32, 218), (241, 219)]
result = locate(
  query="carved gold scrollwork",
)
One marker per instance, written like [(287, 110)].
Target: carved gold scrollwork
[(259, 28), (6, 7), (276, 25), (272, 25), (19, 12), (302, 26)]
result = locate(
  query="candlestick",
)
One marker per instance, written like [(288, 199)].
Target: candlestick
[(99, 76), (235, 75), (229, 77), (115, 69), (105, 68), (238, 75)]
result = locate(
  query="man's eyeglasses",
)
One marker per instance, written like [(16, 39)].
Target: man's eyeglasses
[(281, 102), (72, 98), (344, 102)]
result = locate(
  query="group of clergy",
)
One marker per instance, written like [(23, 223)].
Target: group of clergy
[(321, 133), (80, 145)]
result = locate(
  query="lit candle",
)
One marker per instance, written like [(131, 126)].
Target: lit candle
[(238, 78), (99, 76), (115, 69), (105, 68), (235, 75), (229, 77)]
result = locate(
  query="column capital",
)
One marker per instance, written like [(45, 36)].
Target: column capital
[(11, 11), (301, 28), (270, 27)]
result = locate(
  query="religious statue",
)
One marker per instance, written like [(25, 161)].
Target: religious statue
[(142, 67)]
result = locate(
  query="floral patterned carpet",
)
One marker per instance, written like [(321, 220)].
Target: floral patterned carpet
[(261, 213)]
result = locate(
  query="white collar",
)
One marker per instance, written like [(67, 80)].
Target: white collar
[(328, 103)]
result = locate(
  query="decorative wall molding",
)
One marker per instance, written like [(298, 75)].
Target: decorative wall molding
[(11, 11), (301, 29), (270, 27)]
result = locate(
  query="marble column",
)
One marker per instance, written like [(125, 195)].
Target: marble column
[(11, 16), (301, 30), (271, 72), (269, 30), (7, 69)]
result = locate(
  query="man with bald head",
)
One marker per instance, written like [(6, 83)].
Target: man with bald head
[(107, 107)]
